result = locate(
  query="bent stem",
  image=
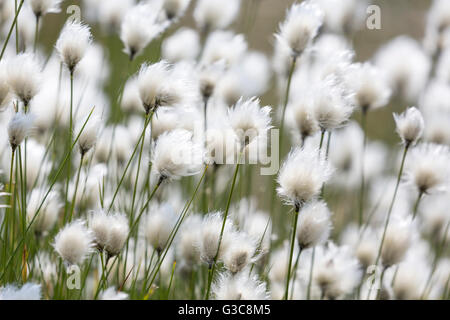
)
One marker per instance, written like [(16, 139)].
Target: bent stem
[(291, 253), (211, 274)]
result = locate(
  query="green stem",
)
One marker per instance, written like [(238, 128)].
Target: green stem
[(308, 290), (11, 29), (74, 197), (363, 183), (286, 100), (291, 253), (36, 33), (211, 274), (416, 204)]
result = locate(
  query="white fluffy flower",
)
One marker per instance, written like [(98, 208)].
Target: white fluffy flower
[(427, 168), (314, 225), (397, 241), (48, 213), (24, 77), (158, 225), (18, 128), (176, 155), (29, 291), (215, 14), (42, 7), (88, 137), (239, 252), (139, 27), (175, 8), (410, 125), (249, 121), (370, 86), (74, 242), (73, 43), (239, 287), (210, 235), (110, 231), (184, 44), (302, 175), (189, 240), (112, 294), (300, 26)]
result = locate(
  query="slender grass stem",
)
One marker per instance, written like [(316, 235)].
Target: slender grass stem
[(417, 203), (14, 23), (77, 181), (286, 100), (311, 270), (363, 183), (36, 33), (211, 274), (291, 252)]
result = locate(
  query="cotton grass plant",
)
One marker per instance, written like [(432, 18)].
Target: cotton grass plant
[(157, 190)]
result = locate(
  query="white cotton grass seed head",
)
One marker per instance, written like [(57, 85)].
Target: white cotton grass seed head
[(139, 27), (249, 121), (158, 225), (332, 104), (4, 87), (72, 43), (29, 291), (184, 44), (44, 219), (210, 235), (239, 287), (302, 175), (215, 14), (189, 240), (110, 231), (74, 242), (112, 294), (398, 239), (301, 26), (176, 155), (314, 224), (410, 125), (301, 117), (174, 9), (24, 77), (240, 252), (42, 7), (427, 168), (370, 86), (19, 128), (89, 135)]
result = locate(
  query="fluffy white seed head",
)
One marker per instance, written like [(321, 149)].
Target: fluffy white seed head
[(42, 7), (410, 125), (239, 252), (88, 137), (45, 219), (301, 117), (215, 14), (158, 225), (300, 26), (427, 168), (175, 8), (72, 43), (29, 291), (24, 77), (110, 231), (189, 240), (314, 225), (239, 287), (302, 175), (112, 294), (249, 121), (184, 44), (4, 87), (210, 235), (19, 128), (397, 241), (176, 155), (74, 242)]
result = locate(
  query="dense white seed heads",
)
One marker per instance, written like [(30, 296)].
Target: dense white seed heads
[(88, 137), (301, 26), (72, 43), (239, 252), (158, 225), (110, 231), (44, 219), (396, 242), (302, 175), (74, 242), (176, 155), (24, 77), (410, 125), (210, 235), (314, 225), (19, 128)]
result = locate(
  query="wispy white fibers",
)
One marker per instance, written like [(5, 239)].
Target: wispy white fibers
[(302, 175), (215, 14), (314, 225), (18, 128), (410, 125), (73, 43), (24, 77), (42, 7), (176, 155), (301, 25), (110, 231), (29, 291), (74, 242), (239, 287)]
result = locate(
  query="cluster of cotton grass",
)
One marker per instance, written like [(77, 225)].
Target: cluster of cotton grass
[(154, 192)]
